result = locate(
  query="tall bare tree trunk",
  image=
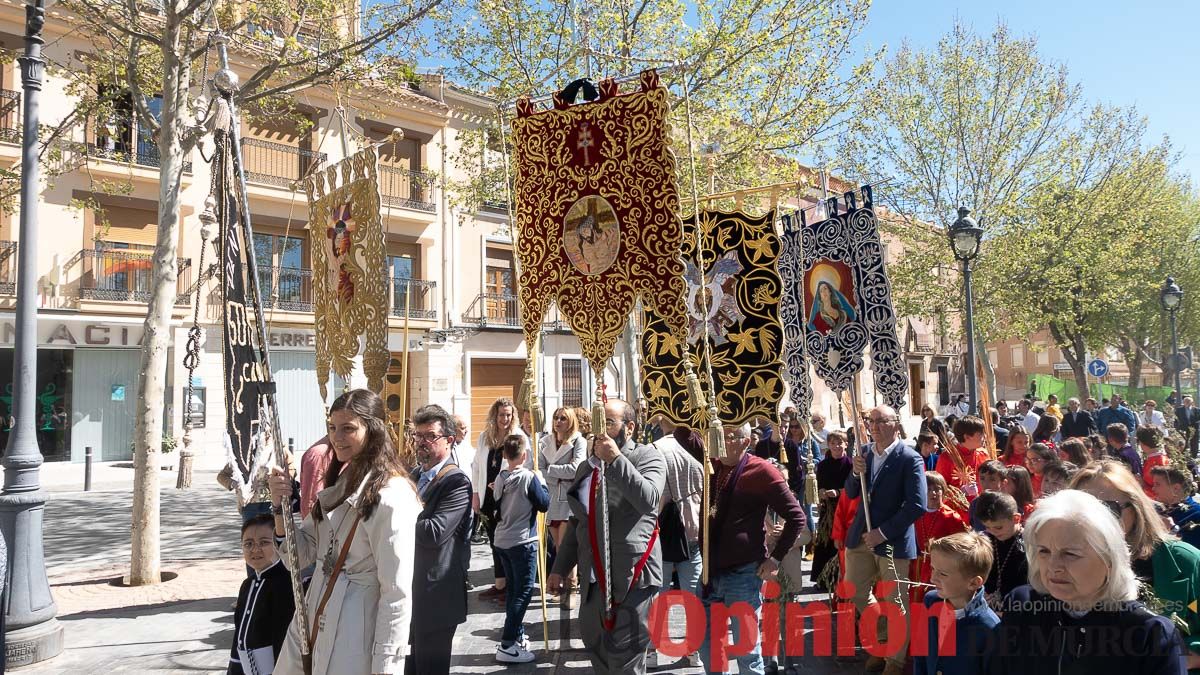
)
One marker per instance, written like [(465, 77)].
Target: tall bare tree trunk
[(145, 558), (1136, 361)]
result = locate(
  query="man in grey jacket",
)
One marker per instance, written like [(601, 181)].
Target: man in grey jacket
[(633, 478)]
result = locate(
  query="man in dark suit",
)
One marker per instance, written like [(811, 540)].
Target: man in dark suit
[(1077, 423), (443, 544), (632, 478), (1187, 421), (895, 499), (1000, 432)]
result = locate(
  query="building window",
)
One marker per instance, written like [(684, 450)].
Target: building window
[(572, 383), (1043, 356), (994, 358), (1018, 356), (283, 258)]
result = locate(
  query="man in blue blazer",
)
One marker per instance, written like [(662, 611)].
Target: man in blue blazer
[(895, 499)]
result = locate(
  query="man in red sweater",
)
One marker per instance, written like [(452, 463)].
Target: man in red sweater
[(744, 487)]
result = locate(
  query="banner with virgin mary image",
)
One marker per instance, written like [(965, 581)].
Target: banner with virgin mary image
[(597, 213), (733, 291), (846, 300), (347, 250)]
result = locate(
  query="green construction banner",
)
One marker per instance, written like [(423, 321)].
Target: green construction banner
[(1044, 385)]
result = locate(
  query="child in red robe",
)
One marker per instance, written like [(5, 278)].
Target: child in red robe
[(1151, 442), (959, 465), (939, 520)]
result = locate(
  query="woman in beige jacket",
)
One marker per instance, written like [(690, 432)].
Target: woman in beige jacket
[(364, 627)]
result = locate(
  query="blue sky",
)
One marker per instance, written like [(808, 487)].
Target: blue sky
[(1145, 54)]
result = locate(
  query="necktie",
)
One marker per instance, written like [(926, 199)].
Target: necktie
[(423, 482)]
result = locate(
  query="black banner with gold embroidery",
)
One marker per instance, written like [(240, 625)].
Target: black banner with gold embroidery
[(733, 291), (244, 370)]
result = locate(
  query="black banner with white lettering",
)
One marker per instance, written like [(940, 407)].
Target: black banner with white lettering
[(243, 359)]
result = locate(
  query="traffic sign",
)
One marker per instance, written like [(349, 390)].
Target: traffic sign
[(1097, 368)]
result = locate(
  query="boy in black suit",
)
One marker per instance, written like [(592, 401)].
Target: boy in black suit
[(264, 605)]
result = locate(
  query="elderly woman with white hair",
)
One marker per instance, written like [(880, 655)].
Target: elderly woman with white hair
[(1079, 613), (1159, 559)]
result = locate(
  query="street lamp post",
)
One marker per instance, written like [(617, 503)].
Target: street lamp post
[(32, 632), (965, 238), (1171, 297)]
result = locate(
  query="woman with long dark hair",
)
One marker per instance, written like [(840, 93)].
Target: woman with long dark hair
[(366, 519)]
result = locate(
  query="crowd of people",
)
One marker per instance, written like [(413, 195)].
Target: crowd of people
[(1068, 547)]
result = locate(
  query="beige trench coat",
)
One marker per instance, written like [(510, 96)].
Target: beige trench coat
[(365, 626)]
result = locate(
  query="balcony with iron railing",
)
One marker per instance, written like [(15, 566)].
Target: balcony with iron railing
[(126, 147), (126, 276), (414, 298), (10, 116), (8, 268), (406, 189), (291, 290), (503, 310), (278, 164)]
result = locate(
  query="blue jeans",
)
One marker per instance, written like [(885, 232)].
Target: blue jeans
[(740, 584), (520, 568), (689, 572)]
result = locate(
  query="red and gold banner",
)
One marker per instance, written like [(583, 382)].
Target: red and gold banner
[(597, 214)]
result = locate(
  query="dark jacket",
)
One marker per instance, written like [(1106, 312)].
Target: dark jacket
[(271, 604), (1078, 424), (1187, 418), (897, 501), (443, 551), (972, 637), (1039, 637), (1186, 516), (1001, 435)]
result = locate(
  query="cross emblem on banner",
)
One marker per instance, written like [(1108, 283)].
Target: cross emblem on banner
[(585, 142)]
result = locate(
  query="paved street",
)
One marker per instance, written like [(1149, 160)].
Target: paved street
[(185, 625)]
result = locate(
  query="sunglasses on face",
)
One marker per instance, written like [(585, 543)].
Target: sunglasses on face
[(560, 418), (1116, 507)]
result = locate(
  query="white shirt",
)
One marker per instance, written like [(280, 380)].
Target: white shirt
[(1153, 419), (881, 457), (1030, 422)]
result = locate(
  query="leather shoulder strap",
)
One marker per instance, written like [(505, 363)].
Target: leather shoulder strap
[(337, 569)]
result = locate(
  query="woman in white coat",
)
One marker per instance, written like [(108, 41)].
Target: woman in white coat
[(369, 509), (560, 455)]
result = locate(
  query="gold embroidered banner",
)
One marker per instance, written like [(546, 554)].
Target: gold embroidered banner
[(597, 214), (348, 268), (737, 298)]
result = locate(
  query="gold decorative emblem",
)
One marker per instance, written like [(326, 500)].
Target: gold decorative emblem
[(349, 292)]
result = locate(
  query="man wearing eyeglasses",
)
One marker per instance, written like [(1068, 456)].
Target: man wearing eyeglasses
[(443, 545), (895, 486)]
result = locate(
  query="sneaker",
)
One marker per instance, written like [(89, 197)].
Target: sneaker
[(514, 654)]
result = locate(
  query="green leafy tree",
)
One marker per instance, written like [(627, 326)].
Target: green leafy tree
[(984, 121), (144, 49), (766, 78)]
